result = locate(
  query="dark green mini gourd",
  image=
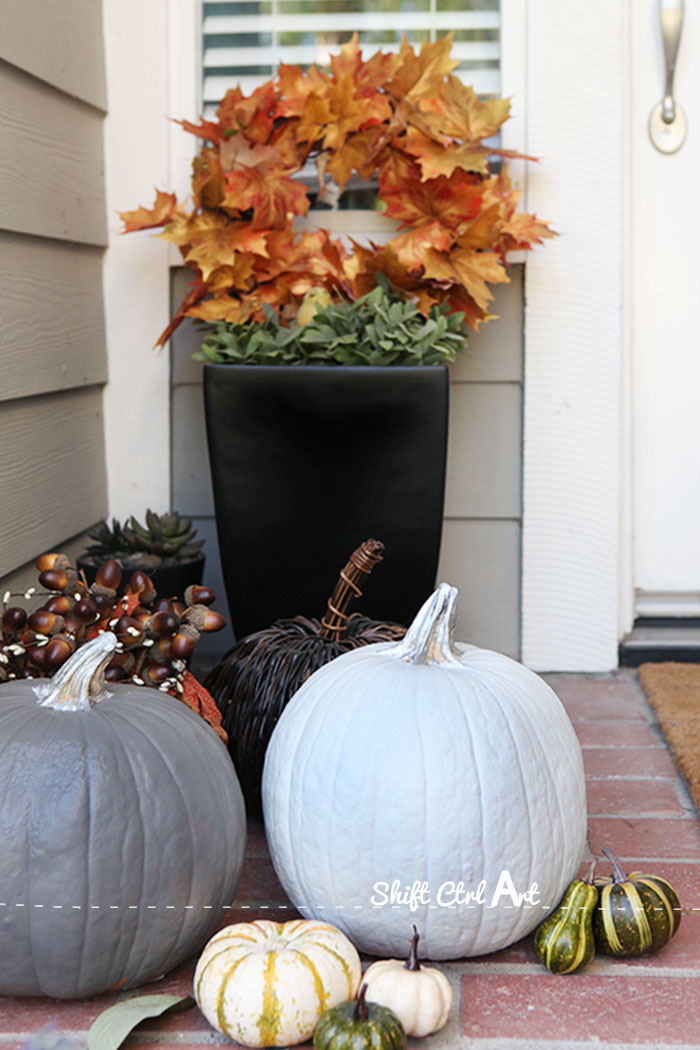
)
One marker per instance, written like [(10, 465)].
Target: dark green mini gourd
[(358, 1025), (637, 913), (564, 942)]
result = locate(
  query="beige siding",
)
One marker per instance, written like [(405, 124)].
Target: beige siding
[(59, 42), (52, 316), (481, 539), (482, 559), (52, 181), (52, 233), (52, 471)]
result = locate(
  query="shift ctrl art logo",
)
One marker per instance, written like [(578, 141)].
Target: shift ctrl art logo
[(454, 894)]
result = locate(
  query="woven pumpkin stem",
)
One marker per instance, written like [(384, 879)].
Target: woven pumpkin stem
[(361, 563)]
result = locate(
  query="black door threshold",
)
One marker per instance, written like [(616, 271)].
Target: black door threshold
[(659, 640)]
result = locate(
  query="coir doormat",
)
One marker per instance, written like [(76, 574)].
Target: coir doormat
[(674, 692)]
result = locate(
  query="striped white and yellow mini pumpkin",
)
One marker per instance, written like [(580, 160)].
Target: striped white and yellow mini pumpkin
[(267, 983)]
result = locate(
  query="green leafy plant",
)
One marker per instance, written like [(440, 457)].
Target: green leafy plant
[(165, 537), (380, 328)]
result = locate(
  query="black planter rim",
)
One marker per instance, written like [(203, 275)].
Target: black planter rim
[(325, 369)]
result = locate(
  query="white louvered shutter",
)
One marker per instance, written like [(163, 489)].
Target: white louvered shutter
[(245, 40)]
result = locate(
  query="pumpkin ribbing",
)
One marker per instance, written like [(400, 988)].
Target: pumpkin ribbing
[(119, 853), (425, 762), (638, 913), (256, 678), (266, 984)]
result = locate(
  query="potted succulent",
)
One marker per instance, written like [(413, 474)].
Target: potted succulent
[(312, 459), (165, 548)]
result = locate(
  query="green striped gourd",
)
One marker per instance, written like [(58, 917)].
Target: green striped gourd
[(358, 1025), (564, 942), (267, 983), (638, 913)]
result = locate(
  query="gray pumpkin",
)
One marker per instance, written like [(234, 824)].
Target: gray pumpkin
[(122, 831)]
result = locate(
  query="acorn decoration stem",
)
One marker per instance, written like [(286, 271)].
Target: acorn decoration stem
[(361, 562), (412, 961)]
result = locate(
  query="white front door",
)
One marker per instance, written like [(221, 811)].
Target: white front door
[(665, 321)]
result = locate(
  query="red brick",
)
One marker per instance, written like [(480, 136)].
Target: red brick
[(684, 877), (628, 762), (616, 734), (30, 1015), (520, 953), (644, 837), (592, 700), (652, 1011), (634, 798), (682, 952)]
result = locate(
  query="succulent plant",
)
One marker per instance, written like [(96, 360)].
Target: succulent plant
[(109, 539), (164, 536)]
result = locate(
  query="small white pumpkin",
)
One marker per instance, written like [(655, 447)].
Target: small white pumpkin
[(267, 983), (420, 996), (403, 777)]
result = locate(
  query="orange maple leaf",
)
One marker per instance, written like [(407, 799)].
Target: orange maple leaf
[(202, 703), (271, 197), (472, 270), (437, 159), (254, 114), (237, 151), (163, 211), (411, 247), (296, 87), (221, 308), (521, 231), (206, 129), (358, 153), (484, 231), (208, 185), (350, 112), (349, 62), (210, 241), (459, 300), (455, 111), (454, 201), (419, 75), (367, 260)]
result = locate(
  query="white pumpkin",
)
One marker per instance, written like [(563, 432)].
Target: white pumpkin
[(266, 983), (420, 996), (410, 768)]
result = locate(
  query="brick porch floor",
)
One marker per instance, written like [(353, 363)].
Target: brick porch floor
[(508, 1001)]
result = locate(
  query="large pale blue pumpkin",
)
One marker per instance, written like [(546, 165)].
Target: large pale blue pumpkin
[(422, 765), (122, 831)]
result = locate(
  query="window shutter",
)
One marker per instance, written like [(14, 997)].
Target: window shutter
[(245, 40)]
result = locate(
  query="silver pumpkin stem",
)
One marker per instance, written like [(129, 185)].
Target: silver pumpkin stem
[(430, 638), (80, 683)]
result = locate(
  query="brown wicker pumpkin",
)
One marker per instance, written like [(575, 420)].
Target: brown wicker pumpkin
[(258, 676)]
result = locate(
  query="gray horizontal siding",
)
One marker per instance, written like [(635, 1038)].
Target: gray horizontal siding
[(59, 42), (52, 316), (52, 469), (481, 538), (52, 232), (482, 559), (52, 182)]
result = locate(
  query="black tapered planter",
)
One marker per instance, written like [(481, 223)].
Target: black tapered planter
[(309, 461)]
